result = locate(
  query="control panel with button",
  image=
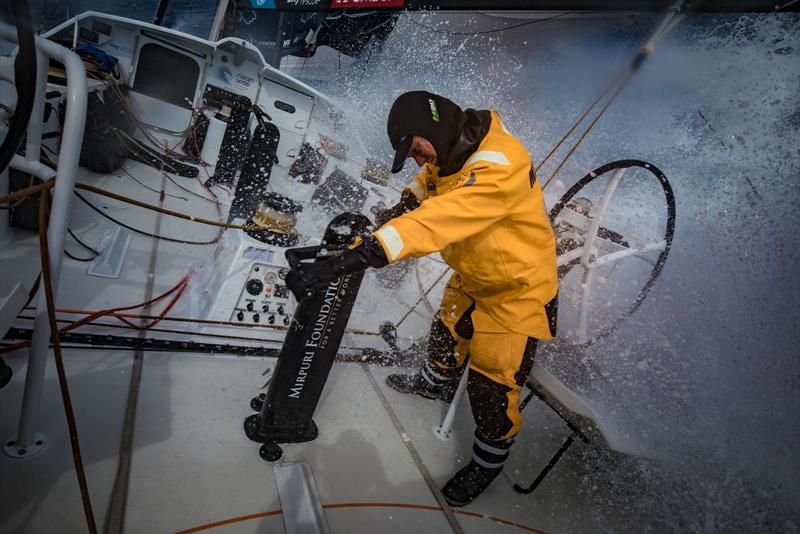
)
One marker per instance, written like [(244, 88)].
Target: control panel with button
[(264, 297)]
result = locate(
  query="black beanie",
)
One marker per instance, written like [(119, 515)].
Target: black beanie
[(427, 115)]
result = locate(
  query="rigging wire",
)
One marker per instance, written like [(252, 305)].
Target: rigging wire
[(495, 30), (667, 24), (589, 128)]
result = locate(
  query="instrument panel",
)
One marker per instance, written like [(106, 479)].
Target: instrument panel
[(264, 298)]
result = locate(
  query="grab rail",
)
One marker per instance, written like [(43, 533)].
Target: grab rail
[(66, 174)]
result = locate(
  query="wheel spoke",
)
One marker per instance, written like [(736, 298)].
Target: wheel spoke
[(567, 257), (597, 216), (632, 251), (583, 318)]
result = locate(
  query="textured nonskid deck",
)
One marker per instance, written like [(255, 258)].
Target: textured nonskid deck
[(193, 467)]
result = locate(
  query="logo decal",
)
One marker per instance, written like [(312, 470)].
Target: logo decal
[(434, 110)]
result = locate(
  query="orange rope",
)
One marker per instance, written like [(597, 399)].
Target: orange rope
[(361, 505), (230, 521)]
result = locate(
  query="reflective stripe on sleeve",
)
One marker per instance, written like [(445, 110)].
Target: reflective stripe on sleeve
[(391, 240), (492, 156)]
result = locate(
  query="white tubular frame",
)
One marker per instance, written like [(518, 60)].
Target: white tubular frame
[(66, 175), (444, 430)]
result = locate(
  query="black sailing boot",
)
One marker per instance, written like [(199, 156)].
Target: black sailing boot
[(468, 483), (414, 384), (488, 457), (425, 384)]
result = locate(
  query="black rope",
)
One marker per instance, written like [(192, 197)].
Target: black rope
[(66, 252), (142, 232), (81, 243)]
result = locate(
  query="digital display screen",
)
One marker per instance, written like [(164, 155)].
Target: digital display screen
[(258, 254)]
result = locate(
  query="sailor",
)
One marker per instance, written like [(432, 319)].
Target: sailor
[(477, 202)]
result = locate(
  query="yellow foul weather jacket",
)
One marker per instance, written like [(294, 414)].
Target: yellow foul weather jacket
[(489, 222)]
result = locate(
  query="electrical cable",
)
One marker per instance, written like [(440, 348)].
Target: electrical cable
[(81, 243), (163, 313), (143, 126), (154, 190), (152, 156), (142, 232), (179, 186), (70, 256)]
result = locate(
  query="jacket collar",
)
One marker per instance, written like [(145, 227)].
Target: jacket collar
[(471, 133)]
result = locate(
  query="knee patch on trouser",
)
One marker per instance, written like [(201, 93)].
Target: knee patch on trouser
[(500, 364), (447, 354), (449, 338)]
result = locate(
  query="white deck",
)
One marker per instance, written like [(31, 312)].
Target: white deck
[(192, 464)]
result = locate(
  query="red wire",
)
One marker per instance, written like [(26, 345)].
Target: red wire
[(80, 322), (161, 316)]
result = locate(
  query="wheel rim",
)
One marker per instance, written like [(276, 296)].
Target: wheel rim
[(669, 231)]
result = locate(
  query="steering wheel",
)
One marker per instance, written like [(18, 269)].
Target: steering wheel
[(591, 237), (24, 80)]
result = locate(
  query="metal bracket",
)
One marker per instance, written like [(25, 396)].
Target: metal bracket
[(553, 461)]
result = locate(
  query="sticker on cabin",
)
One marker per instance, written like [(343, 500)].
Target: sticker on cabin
[(243, 81), (338, 4), (289, 4)]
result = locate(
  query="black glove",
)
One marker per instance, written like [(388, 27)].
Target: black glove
[(303, 280), (408, 202)]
